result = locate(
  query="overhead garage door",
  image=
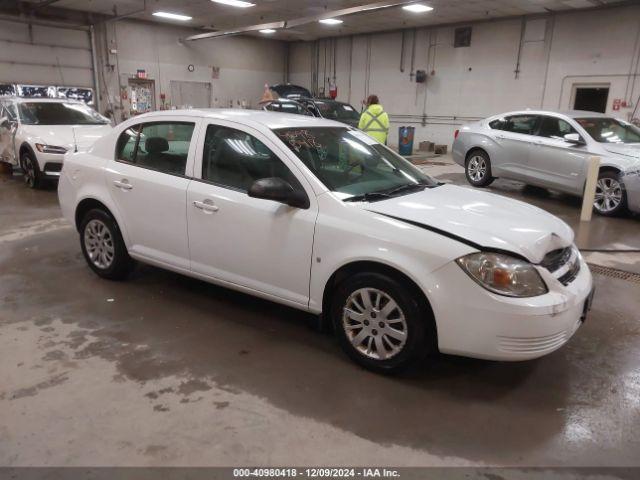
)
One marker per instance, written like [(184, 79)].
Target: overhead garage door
[(44, 55)]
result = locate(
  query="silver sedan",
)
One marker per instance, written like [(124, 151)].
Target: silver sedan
[(551, 150)]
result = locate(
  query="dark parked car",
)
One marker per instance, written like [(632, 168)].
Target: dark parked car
[(332, 110), (287, 90), (287, 106), (322, 108)]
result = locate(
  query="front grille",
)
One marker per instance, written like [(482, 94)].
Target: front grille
[(556, 259), (52, 167), (571, 275)]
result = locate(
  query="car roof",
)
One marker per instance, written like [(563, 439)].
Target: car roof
[(567, 113), (323, 100), (584, 113), (254, 118), (284, 100)]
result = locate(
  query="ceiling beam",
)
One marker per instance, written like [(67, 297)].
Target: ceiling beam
[(44, 3), (237, 31), (302, 20)]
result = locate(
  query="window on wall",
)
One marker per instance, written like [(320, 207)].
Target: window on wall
[(47, 91), (235, 159), (7, 89), (462, 37), (161, 146)]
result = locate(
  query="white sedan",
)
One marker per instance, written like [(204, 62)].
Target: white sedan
[(35, 133), (318, 216)]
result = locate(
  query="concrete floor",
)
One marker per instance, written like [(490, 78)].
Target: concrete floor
[(166, 370)]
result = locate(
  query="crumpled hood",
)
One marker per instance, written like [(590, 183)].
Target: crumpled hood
[(628, 153), (481, 218), (63, 135)]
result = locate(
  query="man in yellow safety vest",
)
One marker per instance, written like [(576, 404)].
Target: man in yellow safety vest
[(374, 121)]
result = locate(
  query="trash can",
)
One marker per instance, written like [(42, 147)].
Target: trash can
[(405, 140)]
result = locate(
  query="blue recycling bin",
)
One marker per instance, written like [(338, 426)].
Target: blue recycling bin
[(405, 140)]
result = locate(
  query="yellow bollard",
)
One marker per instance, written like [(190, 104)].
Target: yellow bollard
[(590, 189)]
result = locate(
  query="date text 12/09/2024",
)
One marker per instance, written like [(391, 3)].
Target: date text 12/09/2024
[(315, 473)]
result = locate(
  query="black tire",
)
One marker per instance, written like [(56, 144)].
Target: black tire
[(30, 170), (477, 169), (418, 324), (616, 194), (115, 266)]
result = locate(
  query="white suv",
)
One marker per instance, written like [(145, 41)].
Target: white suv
[(318, 216), (35, 134)]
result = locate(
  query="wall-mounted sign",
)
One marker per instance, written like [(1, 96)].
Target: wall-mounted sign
[(616, 103), (215, 72), (141, 73)]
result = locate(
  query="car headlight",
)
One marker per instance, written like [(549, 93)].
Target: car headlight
[(50, 149), (503, 274)]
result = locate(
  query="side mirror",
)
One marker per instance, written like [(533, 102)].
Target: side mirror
[(574, 138), (4, 122), (278, 190)]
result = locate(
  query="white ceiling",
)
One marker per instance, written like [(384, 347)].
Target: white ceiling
[(209, 15)]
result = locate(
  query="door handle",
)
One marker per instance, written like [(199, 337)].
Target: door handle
[(123, 184), (206, 206)]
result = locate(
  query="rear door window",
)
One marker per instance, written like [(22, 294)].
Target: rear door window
[(161, 146), (555, 128), (126, 146), (498, 124), (523, 124)]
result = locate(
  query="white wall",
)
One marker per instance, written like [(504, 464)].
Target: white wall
[(597, 46), (246, 63)]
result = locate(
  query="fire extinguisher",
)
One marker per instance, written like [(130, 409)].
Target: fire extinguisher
[(333, 90)]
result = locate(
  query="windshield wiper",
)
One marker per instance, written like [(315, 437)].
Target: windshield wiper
[(368, 197), (406, 188)]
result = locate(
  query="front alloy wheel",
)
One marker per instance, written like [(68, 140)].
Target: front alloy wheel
[(30, 171), (610, 195), (374, 324), (382, 323)]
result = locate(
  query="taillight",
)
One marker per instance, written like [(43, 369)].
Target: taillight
[(455, 134)]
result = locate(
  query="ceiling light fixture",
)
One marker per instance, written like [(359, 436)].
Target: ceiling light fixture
[(172, 16), (235, 3), (330, 21), (417, 8), (267, 31)]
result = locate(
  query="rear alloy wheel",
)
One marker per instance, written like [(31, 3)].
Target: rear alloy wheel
[(478, 169), (98, 241), (611, 198), (30, 170), (380, 323), (103, 247)]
